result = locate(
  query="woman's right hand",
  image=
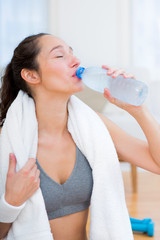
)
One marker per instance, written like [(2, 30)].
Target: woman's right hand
[(21, 185)]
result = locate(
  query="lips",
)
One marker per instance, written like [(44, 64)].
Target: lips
[(74, 75)]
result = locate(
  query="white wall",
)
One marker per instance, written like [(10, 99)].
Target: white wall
[(98, 31)]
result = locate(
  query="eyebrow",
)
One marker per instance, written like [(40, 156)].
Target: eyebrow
[(60, 46)]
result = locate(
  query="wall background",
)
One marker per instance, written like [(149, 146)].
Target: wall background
[(98, 30)]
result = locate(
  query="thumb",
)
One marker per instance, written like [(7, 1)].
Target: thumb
[(107, 94), (12, 164), (111, 99)]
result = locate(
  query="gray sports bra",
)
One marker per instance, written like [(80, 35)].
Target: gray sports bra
[(73, 195)]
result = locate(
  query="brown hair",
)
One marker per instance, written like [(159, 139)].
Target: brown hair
[(24, 56)]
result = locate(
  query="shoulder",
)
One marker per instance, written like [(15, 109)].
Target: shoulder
[(108, 123), (115, 131), (103, 118), (0, 130)]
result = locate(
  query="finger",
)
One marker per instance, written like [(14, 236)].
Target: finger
[(32, 172), (111, 99), (129, 75), (12, 164), (36, 179), (105, 67), (118, 72), (107, 92), (111, 71), (38, 184), (30, 164), (37, 174), (115, 101)]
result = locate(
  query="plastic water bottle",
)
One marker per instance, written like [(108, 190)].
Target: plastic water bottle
[(125, 89)]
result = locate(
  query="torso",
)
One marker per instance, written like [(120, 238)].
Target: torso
[(60, 157), (70, 227)]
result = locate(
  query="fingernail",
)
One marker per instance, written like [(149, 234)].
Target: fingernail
[(11, 155)]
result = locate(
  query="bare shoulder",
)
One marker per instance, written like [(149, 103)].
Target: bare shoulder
[(117, 133), (108, 123), (0, 130), (104, 118)]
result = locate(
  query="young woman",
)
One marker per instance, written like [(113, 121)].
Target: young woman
[(43, 66)]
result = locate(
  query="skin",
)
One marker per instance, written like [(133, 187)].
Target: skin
[(52, 86)]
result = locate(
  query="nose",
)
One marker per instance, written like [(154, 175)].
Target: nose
[(75, 62)]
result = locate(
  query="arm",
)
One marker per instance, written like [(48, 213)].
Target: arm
[(151, 129), (4, 228), (134, 150), (140, 153)]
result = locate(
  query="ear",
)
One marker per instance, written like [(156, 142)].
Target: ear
[(30, 76)]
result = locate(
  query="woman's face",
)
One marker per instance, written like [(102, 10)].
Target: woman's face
[(57, 66)]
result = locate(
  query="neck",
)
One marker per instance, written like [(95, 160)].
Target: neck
[(52, 115)]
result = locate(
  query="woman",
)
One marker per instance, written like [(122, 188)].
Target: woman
[(44, 67)]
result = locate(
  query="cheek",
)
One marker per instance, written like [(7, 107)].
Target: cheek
[(55, 77), (57, 70)]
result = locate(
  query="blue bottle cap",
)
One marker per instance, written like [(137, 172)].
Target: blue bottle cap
[(79, 72)]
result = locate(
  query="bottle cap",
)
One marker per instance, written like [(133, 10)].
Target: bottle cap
[(79, 72)]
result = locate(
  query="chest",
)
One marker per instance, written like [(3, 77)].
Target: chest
[(70, 196), (57, 159)]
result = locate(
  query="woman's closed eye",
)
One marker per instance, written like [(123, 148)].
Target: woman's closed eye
[(59, 56), (62, 55)]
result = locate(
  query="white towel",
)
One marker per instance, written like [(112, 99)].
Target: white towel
[(109, 215)]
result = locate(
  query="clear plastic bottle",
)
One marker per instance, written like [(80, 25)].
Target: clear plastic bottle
[(125, 89)]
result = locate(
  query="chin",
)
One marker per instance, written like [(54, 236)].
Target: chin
[(79, 88)]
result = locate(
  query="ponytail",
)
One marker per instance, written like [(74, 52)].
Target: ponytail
[(8, 92), (25, 56)]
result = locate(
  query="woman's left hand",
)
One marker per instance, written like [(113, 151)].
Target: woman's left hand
[(114, 72)]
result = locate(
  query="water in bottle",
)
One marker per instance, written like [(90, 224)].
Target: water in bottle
[(127, 90)]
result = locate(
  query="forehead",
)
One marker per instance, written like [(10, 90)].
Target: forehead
[(48, 42)]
